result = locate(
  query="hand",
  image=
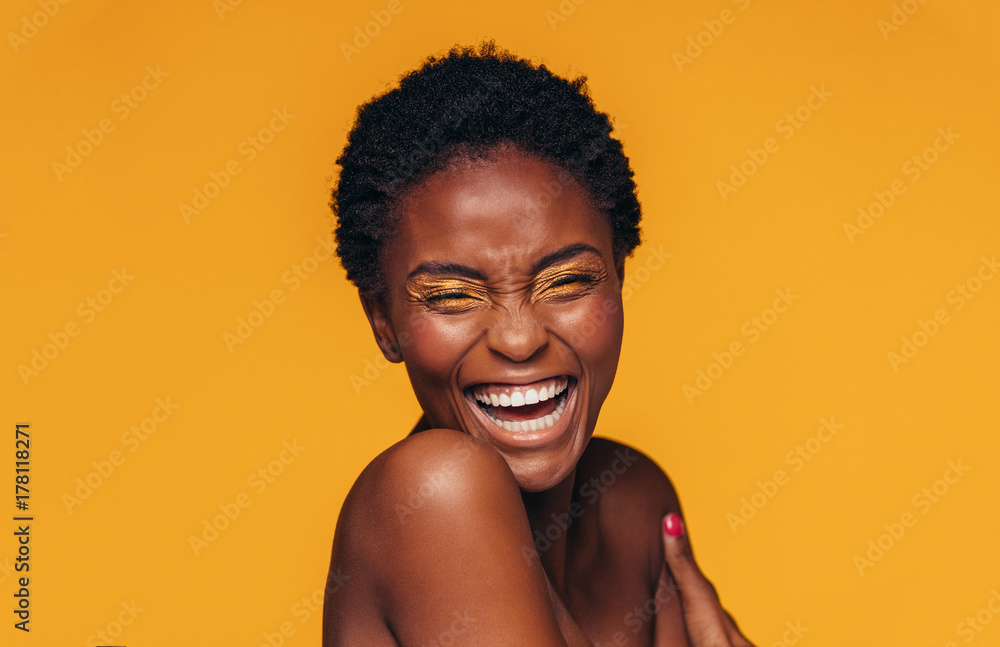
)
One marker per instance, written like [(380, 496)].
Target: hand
[(707, 623)]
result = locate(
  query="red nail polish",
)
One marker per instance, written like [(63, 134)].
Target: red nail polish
[(673, 525)]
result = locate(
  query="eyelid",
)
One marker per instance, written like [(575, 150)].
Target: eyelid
[(579, 283), (442, 295), (591, 270), (433, 290), (578, 276), (435, 293)]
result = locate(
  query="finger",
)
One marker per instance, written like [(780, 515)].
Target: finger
[(735, 635), (703, 616)]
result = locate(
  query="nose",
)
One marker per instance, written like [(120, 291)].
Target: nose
[(517, 335)]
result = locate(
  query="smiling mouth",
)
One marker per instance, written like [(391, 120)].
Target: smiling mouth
[(524, 408)]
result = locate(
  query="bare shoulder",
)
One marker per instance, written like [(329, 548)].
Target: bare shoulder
[(435, 528), (623, 473), (632, 493), (412, 484)]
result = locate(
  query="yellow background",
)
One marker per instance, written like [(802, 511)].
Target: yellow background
[(162, 336)]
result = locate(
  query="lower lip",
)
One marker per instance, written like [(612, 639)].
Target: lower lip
[(529, 439)]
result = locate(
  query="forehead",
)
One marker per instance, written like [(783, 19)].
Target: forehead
[(500, 214)]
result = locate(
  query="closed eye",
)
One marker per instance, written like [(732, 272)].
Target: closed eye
[(573, 278), (448, 296)]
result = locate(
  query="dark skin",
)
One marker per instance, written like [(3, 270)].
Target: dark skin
[(479, 528)]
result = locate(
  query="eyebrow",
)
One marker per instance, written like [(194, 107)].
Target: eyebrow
[(563, 254), (442, 268)]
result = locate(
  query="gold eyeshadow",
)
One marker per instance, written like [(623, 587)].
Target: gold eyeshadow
[(456, 295), (565, 280), (570, 279)]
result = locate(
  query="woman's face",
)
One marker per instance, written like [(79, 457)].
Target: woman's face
[(505, 304)]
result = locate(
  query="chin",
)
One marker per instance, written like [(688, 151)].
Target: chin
[(539, 427)]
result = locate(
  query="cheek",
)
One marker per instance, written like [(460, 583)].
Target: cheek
[(594, 331), (433, 345)]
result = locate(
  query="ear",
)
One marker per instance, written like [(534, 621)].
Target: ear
[(385, 335), (620, 270)]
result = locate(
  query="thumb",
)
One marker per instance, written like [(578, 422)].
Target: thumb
[(703, 615)]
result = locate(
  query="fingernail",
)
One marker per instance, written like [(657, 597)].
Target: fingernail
[(673, 525)]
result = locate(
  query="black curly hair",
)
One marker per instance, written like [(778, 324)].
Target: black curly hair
[(463, 106)]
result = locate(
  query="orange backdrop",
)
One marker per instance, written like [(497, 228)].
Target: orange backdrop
[(811, 342)]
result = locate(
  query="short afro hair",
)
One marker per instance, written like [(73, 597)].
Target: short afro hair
[(467, 104)]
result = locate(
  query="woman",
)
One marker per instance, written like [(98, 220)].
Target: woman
[(485, 214)]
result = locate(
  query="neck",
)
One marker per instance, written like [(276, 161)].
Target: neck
[(549, 519), (422, 425)]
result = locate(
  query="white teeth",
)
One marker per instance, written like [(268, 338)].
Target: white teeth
[(516, 396), (523, 426)]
